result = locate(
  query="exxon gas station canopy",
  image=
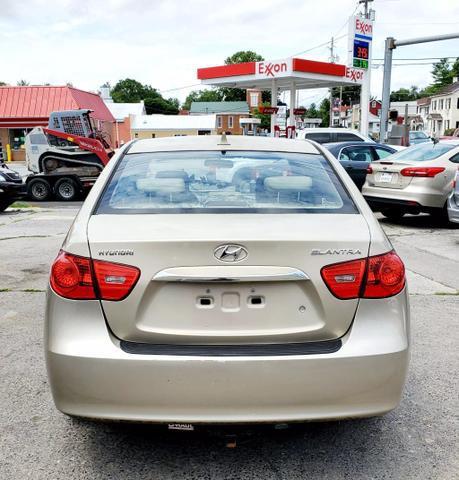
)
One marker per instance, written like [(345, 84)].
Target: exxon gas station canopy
[(282, 74)]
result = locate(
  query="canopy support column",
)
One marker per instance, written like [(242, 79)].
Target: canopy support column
[(291, 118), (273, 104)]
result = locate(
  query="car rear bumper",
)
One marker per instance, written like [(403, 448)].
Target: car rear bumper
[(410, 197), (91, 376)]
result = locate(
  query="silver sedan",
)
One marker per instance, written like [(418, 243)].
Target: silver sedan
[(180, 299)]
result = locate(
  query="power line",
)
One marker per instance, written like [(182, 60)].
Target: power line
[(424, 58), (179, 88)]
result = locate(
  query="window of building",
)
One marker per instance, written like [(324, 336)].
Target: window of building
[(254, 99), (440, 104), (448, 103), (457, 102), (17, 137), (230, 122), (434, 105), (219, 121)]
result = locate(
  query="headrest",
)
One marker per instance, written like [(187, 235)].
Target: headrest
[(161, 185), (288, 183)]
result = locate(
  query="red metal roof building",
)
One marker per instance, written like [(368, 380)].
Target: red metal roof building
[(22, 108)]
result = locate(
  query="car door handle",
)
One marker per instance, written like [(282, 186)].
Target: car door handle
[(230, 274)]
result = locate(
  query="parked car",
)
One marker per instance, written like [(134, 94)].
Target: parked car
[(177, 301), (355, 157), (11, 186), (332, 135), (453, 202), (418, 179), (418, 136)]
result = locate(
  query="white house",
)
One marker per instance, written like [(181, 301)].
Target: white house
[(444, 109), (156, 126)]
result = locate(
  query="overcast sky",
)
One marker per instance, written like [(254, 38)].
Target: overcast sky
[(162, 43)]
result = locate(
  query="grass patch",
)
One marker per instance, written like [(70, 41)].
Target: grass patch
[(5, 290), (447, 293), (32, 290), (20, 205)]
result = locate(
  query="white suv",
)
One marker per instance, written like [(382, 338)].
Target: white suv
[(329, 135)]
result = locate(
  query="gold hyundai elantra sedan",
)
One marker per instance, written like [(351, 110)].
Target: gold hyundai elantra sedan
[(186, 294)]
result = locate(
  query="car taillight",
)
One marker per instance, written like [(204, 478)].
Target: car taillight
[(421, 171), (369, 170), (373, 277), (344, 279), (71, 277), (80, 278), (385, 276), (114, 280)]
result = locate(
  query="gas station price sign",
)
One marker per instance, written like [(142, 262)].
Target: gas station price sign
[(360, 37), (361, 52)]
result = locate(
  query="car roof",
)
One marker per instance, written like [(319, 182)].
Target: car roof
[(354, 143), (329, 129), (217, 142)]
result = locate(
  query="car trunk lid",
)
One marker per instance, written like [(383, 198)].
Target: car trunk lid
[(386, 174), (273, 293)]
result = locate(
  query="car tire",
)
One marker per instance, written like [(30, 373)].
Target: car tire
[(4, 204), (441, 216), (393, 213), (66, 189), (39, 189)]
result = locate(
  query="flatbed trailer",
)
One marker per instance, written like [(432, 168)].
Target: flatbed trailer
[(62, 186)]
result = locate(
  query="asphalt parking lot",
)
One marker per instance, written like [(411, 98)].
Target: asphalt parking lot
[(417, 440)]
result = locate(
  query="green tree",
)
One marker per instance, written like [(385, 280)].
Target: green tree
[(312, 111), (238, 94), (160, 105), (2, 84), (23, 83), (243, 56), (264, 117), (405, 94), (441, 73), (202, 96), (132, 91), (324, 112), (350, 95)]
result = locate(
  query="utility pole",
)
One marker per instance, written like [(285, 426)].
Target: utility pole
[(332, 60), (366, 2), (390, 46)]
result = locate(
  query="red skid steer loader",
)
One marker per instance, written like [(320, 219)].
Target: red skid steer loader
[(66, 157)]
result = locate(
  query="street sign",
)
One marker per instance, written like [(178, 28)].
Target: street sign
[(268, 110), (299, 111)]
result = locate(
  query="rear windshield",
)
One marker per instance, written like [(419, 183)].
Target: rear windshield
[(418, 135), (224, 182), (423, 152)]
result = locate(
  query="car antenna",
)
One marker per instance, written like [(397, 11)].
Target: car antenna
[(223, 140)]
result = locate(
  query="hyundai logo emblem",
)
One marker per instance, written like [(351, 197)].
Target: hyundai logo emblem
[(230, 253)]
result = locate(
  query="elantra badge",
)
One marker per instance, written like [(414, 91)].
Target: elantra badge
[(230, 253), (334, 251)]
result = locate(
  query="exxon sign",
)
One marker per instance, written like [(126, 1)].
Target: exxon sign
[(272, 69), (361, 27)]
